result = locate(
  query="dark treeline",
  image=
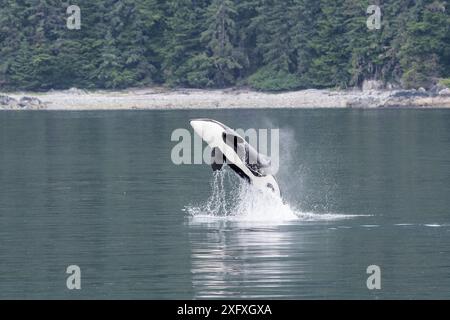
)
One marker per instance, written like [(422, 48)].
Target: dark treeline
[(265, 44)]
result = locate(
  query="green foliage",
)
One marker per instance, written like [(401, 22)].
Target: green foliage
[(445, 82), (219, 35), (267, 79), (268, 44), (420, 55)]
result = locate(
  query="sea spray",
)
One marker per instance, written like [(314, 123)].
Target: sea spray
[(235, 200)]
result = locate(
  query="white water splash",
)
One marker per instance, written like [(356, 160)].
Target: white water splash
[(234, 200)]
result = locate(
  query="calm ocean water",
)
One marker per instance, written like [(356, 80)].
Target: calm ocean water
[(99, 190)]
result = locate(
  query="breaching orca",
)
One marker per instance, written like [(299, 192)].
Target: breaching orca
[(230, 148)]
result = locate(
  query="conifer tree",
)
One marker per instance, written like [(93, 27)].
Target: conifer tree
[(220, 37)]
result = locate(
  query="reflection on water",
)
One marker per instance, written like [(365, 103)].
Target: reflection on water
[(240, 259)]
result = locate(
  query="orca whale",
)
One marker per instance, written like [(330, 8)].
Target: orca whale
[(228, 147)]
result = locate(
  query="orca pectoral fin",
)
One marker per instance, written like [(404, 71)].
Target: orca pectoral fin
[(217, 159), (216, 167)]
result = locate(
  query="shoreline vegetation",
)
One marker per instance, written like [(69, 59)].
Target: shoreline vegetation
[(160, 98), (269, 46)]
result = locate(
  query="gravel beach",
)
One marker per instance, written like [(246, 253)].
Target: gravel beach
[(166, 99)]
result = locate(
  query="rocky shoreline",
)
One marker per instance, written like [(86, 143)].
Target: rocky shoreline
[(166, 99), (23, 103)]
